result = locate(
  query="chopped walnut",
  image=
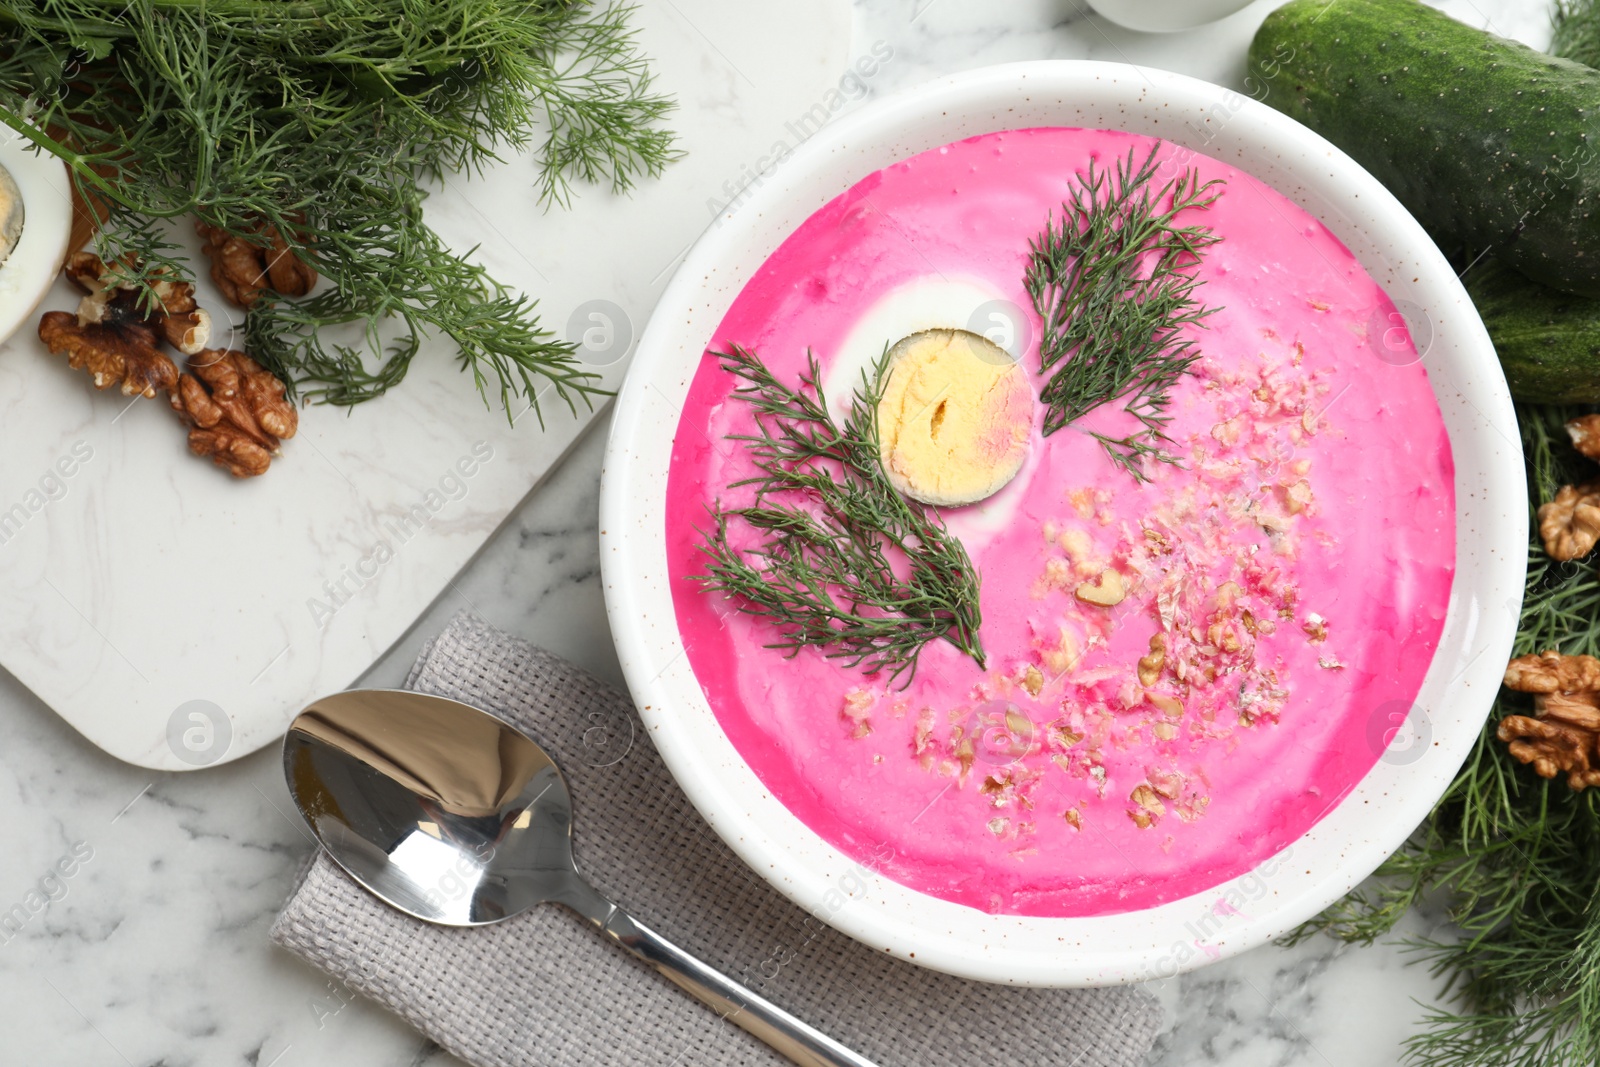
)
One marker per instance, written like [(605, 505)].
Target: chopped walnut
[(1060, 658), (1222, 635), (1585, 434), (1562, 734), (1006, 788), (116, 334), (1057, 575), (1316, 628), (1060, 734), (1570, 524), (236, 411), (1108, 592), (1150, 808), (966, 752), (1192, 809), (1032, 680), (1170, 706), (857, 703), (244, 269), (1150, 665), (1297, 496), (1166, 783), (1074, 818), (1075, 542), (1228, 432)]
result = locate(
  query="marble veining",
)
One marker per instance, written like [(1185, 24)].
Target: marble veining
[(145, 896)]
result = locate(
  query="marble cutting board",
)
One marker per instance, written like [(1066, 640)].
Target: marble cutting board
[(178, 618)]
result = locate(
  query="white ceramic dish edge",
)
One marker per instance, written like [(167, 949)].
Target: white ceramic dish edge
[(27, 274), (1353, 838)]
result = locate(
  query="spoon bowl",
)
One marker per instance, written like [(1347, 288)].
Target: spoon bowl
[(439, 808), (454, 816)]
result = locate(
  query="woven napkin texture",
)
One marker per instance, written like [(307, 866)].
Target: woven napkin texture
[(545, 988)]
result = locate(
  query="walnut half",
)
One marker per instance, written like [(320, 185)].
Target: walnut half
[(236, 411), (245, 269), (1563, 733), (1570, 524), (112, 299), (115, 335), (125, 356), (1585, 433)]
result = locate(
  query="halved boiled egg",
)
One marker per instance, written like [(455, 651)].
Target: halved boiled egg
[(11, 213), (955, 418)]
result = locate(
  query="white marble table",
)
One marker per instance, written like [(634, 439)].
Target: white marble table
[(154, 949)]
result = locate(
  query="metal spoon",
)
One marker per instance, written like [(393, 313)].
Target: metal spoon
[(451, 815)]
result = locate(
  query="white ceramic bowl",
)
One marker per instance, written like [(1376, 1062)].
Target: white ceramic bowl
[(1352, 839)]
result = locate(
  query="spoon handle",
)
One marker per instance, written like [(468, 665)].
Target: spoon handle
[(801, 1043)]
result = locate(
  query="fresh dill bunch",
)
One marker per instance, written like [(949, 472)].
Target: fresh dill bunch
[(845, 562), (1577, 31), (1113, 282), (1517, 857), (323, 119)]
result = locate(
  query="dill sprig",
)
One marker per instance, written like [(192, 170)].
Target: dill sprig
[(1577, 31), (1130, 452), (1113, 282), (326, 119), (844, 561), (1515, 856)]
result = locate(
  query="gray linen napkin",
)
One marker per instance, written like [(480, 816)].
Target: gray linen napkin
[(545, 988)]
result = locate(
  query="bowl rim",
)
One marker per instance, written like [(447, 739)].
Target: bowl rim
[(1339, 850)]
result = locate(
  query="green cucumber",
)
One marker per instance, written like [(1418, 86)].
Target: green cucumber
[(1548, 341), (1486, 141)]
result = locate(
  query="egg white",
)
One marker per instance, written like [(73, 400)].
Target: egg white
[(926, 303)]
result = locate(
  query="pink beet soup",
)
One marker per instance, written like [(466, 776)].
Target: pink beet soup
[(1296, 567)]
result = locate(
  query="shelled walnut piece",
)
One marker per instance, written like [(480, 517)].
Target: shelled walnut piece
[(116, 336), (1585, 433), (243, 270), (236, 411), (1569, 525), (111, 298), (1563, 733)]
